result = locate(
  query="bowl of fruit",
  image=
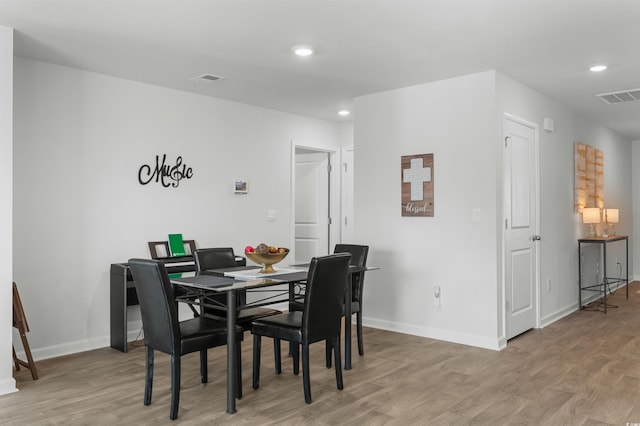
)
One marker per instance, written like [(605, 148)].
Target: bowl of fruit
[(266, 255)]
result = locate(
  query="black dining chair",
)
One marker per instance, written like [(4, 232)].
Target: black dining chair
[(163, 331), (224, 257), (319, 319), (359, 255)]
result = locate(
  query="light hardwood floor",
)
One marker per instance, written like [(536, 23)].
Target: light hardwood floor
[(581, 370)]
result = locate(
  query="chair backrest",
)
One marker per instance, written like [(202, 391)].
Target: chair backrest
[(324, 297), (157, 305), (214, 258), (358, 253), (358, 258)]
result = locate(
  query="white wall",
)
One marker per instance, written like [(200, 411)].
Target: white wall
[(7, 383), (460, 121), (455, 120), (635, 219), (560, 225), (80, 139)]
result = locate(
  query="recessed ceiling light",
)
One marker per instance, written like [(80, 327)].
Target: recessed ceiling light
[(598, 68), (344, 112), (303, 50)]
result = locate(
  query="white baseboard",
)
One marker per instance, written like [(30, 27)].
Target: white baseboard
[(558, 315), (434, 333), (561, 313), (8, 386), (133, 333)]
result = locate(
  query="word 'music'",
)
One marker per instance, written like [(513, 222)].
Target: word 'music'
[(167, 175)]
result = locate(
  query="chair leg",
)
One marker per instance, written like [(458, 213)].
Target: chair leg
[(359, 331), (305, 373), (277, 356), (296, 359), (338, 356), (239, 371), (204, 370), (328, 348), (175, 386), (257, 341), (148, 382)]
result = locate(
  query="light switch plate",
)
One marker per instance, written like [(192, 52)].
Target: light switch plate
[(476, 215)]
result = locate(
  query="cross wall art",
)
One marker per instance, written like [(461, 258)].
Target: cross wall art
[(417, 185)]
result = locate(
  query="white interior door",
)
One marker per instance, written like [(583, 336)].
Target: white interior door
[(311, 205), (521, 226)]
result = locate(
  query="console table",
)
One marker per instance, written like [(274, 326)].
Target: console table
[(606, 280)]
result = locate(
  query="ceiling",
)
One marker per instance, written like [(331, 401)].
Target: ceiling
[(362, 47)]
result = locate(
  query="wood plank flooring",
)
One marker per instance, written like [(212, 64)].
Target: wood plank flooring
[(581, 370)]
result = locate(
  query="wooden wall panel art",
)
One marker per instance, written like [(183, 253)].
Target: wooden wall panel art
[(589, 177), (417, 185)]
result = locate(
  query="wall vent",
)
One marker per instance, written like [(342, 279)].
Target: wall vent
[(206, 78), (621, 96)]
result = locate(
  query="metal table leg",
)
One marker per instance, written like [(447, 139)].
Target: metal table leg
[(231, 351)]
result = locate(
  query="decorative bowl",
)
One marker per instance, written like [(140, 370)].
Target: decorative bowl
[(267, 260)]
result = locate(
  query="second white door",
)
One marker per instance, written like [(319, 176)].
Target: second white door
[(521, 228), (311, 205)]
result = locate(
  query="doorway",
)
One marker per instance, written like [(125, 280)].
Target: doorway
[(521, 224), (312, 203)]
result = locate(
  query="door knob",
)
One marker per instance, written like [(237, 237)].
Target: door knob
[(536, 238)]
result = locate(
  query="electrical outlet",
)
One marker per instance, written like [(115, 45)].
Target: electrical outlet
[(436, 296)]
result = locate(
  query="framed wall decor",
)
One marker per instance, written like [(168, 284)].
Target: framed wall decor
[(416, 180), (240, 186), (589, 177)]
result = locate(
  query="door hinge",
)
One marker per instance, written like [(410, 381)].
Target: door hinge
[(506, 140), (329, 168), (345, 167), (345, 221), (506, 224), (330, 221)]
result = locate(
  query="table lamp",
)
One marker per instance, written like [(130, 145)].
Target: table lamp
[(591, 215), (611, 218)]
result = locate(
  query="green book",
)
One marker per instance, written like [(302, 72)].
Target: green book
[(176, 245)]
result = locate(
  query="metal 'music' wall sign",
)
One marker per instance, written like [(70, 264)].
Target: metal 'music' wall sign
[(167, 175)]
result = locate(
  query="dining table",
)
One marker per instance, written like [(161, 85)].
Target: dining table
[(248, 278)]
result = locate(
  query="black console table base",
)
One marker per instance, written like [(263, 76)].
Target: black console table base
[(607, 281)]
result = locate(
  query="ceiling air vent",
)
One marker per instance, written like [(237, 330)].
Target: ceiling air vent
[(622, 96), (206, 78)]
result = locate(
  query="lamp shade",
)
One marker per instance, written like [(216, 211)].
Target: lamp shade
[(591, 215), (611, 215)]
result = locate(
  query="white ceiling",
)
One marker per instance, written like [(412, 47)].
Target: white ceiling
[(363, 47)]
